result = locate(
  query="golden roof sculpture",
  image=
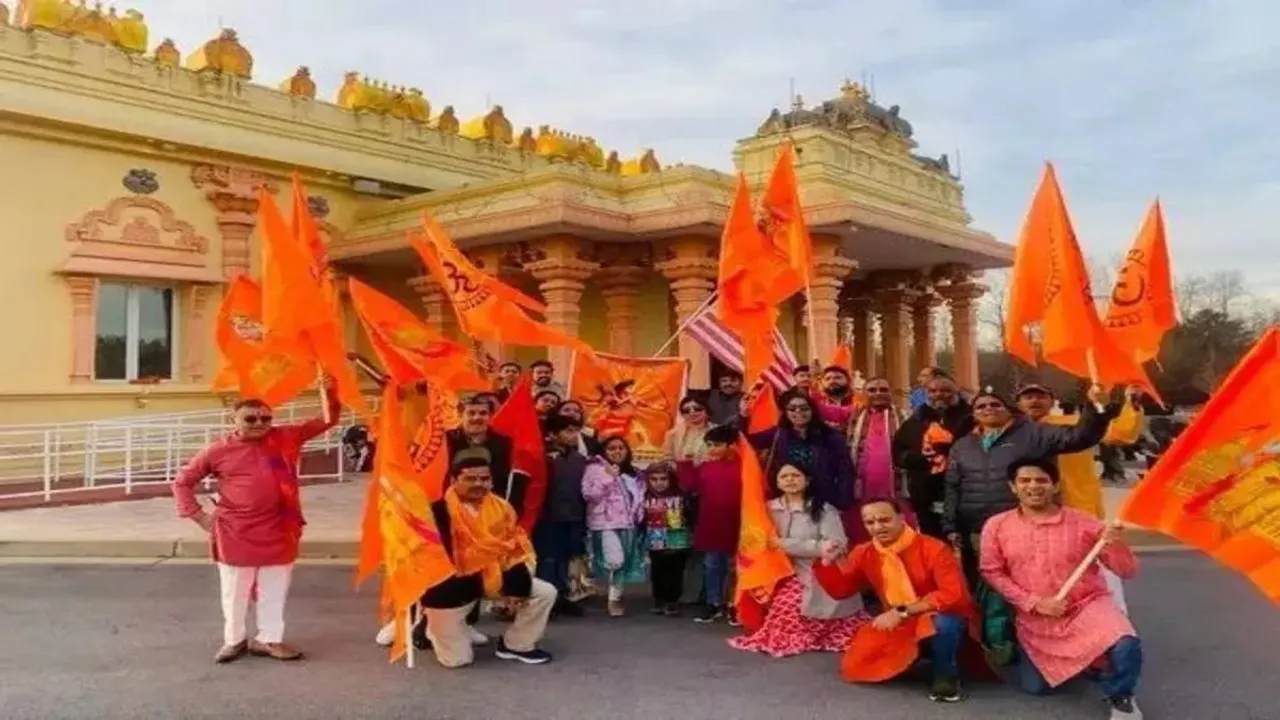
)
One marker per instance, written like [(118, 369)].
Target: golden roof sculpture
[(362, 95), (447, 122), (300, 84), (567, 147), (492, 126), (643, 164), (223, 54), (127, 32), (166, 54)]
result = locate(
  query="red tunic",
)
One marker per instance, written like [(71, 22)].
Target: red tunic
[(258, 518)]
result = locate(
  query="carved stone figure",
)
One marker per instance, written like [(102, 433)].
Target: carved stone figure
[(447, 123), (223, 54), (300, 84), (526, 142), (497, 127), (416, 106), (612, 164), (166, 54), (131, 32), (141, 181)]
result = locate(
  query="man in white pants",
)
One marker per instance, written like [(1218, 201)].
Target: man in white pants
[(255, 525)]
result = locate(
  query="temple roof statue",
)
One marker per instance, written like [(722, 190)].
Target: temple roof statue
[(223, 54)]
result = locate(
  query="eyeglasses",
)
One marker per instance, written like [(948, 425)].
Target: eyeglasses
[(989, 406), (257, 419), (691, 409)]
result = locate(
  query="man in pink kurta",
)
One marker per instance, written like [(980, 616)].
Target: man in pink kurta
[(871, 432), (255, 525), (1027, 554)]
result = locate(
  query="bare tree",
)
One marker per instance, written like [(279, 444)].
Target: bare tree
[(992, 313)]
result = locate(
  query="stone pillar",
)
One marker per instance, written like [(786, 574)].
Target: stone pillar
[(856, 306), (922, 345), (690, 267), (829, 273), (194, 340), (233, 191), (964, 329), (620, 286), (561, 273), (894, 306), (434, 304), (84, 297)]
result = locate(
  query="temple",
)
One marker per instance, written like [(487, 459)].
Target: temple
[(132, 167)]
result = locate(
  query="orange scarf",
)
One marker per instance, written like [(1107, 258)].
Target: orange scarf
[(898, 589), (486, 539)]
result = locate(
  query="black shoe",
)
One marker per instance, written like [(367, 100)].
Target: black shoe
[(731, 617), (568, 609), (709, 615), (1124, 707), (529, 657), (658, 609), (945, 690), (419, 637)]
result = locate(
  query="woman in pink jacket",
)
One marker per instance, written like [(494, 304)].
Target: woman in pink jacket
[(615, 507)]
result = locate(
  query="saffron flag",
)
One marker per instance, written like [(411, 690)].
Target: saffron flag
[(763, 412), (1051, 286), (762, 563), (750, 276), (413, 557), (634, 398), (295, 310), (518, 420), (407, 348), (1217, 488), (487, 308), (842, 357), (1142, 308), (784, 224), (248, 367)]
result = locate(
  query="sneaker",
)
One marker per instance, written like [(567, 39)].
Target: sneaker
[(945, 690), (478, 639), (528, 657), (731, 617), (386, 635), (672, 609), (709, 615), (1124, 707)]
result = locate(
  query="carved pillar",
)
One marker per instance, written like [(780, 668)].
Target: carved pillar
[(561, 273), (435, 307), (962, 297), (894, 306), (690, 267), (84, 296), (234, 193), (196, 331), (922, 345), (829, 273), (620, 286), (855, 306)]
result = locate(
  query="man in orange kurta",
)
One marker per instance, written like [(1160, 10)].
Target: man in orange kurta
[(919, 581)]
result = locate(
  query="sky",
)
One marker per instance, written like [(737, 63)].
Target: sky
[(1130, 100)]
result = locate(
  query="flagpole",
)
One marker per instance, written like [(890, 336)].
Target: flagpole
[(813, 330), (689, 320)]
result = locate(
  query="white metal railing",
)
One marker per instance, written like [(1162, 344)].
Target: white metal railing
[(124, 454)]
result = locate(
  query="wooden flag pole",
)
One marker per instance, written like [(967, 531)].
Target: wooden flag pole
[(813, 329), (1082, 568), (324, 394), (687, 321), (409, 659)]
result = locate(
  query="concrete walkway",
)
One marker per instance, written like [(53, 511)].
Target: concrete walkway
[(149, 529)]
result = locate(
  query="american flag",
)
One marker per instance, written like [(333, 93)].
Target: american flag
[(725, 345)]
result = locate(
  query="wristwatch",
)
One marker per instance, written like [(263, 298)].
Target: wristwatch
[(902, 612)]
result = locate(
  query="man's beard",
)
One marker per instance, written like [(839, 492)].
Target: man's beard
[(837, 391)]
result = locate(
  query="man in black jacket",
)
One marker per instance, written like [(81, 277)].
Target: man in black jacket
[(447, 605), (977, 481), (474, 431), (922, 444)]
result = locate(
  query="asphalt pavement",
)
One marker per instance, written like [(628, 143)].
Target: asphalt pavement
[(108, 642)]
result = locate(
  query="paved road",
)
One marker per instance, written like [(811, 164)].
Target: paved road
[(122, 642)]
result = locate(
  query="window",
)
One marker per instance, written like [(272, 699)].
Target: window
[(135, 333)]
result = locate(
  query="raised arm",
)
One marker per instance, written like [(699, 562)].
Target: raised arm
[(316, 426), (1048, 440), (995, 570)]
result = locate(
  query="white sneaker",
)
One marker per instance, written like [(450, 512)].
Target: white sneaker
[(478, 639), (386, 635), (1125, 709)]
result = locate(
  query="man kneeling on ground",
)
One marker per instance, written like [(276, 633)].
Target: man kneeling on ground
[(493, 557), (920, 581)]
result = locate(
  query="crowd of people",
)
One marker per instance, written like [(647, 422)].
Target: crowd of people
[(923, 523)]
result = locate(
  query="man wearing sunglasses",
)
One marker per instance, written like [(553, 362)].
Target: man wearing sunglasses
[(256, 523)]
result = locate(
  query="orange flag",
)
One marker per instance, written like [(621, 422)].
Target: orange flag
[(1142, 307), (518, 420), (249, 368), (762, 563), (408, 349), (487, 308), (1050, 285), (763, 413), (413, 557), (751, 272), (1217, 487), (295, 310), (843, 357), (784, 223)]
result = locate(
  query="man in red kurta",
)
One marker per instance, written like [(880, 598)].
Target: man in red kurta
[(256, 524), (918, 579)]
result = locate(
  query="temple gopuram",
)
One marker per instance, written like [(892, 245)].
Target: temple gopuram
[(132, 165)]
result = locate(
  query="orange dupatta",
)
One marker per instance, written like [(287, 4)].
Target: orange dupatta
[(486, 539), (898, 589)]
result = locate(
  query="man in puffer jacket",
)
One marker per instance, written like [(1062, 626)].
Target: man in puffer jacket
[(922, 445)]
